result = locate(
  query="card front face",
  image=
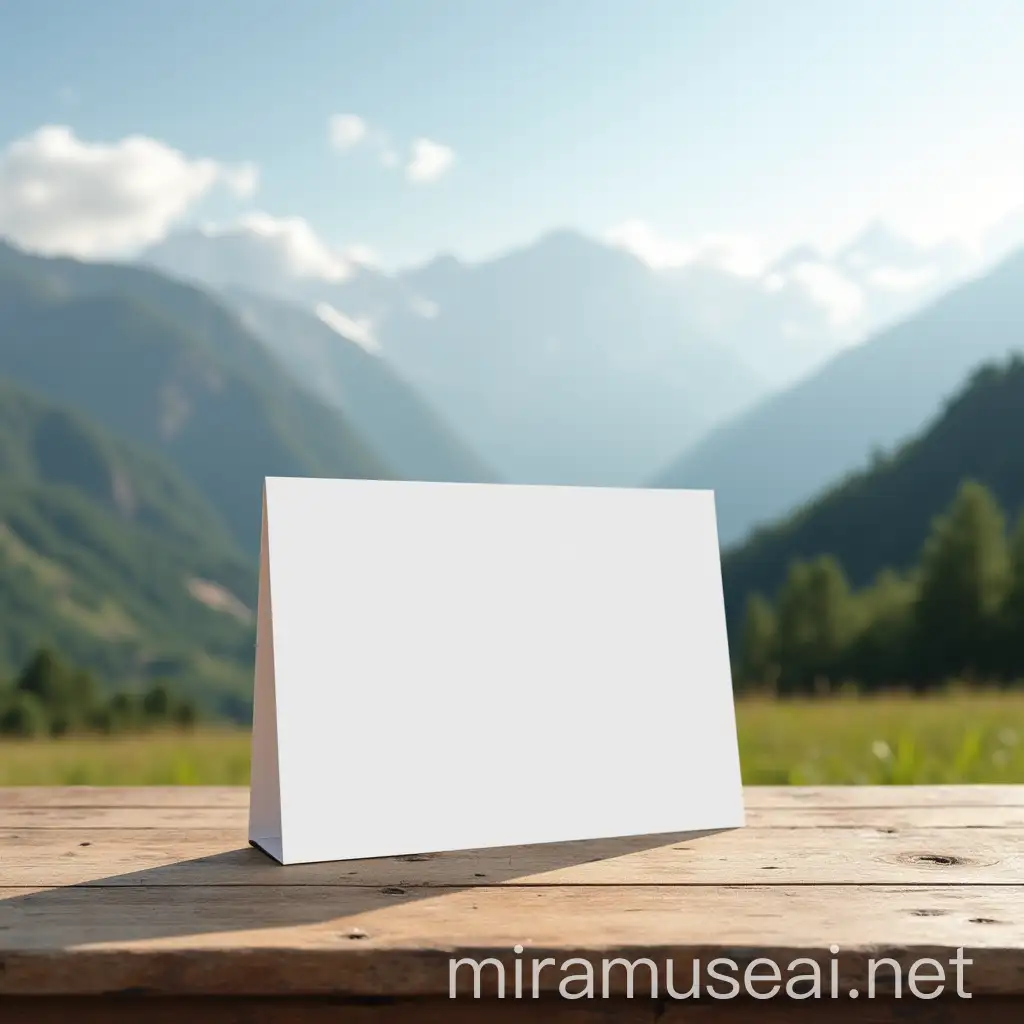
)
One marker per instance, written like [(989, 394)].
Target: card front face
[(467, 665)]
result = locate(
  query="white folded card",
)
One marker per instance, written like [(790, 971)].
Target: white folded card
[(455, 666)]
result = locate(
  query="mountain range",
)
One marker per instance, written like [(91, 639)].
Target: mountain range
[(573, 361), (140, 409), (565, 362), (869, 398), (163, 362), (139, 417), (407, 432)]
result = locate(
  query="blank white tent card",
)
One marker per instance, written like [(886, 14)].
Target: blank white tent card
[(456, 666)]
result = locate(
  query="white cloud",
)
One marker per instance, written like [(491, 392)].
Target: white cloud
[(428, 161), (346, 131), (825, 286), (359, 331), (362, 255), (244, 180), (861, 279), (279, 256), (426, 308), (900, 279), (639, 238), (299, 251), (734, 253), (60, 194)]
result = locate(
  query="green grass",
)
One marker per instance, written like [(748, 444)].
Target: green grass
[(205, 757), (957, 737), (954, 738)]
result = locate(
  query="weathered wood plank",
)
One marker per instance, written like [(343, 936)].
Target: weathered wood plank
[(755, 796), (162, 857), (313, 1010), (884, 796), (169, 899), (195, 818), (380, 942), (124, 796)]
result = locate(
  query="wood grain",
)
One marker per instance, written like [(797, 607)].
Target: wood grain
[(194, 818), (755, 796), (173, 857), (885, 796), (124, 796), (373, 942)]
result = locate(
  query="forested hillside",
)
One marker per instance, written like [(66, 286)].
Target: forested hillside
[(110, 556), (957, 614), (911, 571), (166, 365), (878, 518)]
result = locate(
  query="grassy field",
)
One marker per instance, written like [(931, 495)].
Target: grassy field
[(953, 738), (205, 757), (958, 737)]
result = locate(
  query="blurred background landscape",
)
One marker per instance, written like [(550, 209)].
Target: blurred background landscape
[(773, 249)]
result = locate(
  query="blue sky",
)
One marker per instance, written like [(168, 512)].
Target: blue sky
[(780, 120)]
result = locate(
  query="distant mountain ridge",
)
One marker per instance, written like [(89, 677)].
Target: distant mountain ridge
[(774, 457), (570, 360), (380, 404), (567, 361)]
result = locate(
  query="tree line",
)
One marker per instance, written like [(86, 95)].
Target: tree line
[(50, 697), (957, 614)]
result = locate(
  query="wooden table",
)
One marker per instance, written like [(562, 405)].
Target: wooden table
[(148, 905)]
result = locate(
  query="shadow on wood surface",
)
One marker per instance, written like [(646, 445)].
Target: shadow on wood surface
[(244, 890)]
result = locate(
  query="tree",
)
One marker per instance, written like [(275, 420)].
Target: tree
[(123, 711), (758, 657), (66, 694), (185, 715), (23, 715), (50, 696), (1012, 647), (47, 678), (879, 653), (815, 623), (963, 578), (156, 703)]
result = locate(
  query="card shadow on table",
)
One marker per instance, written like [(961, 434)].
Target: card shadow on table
[(243, 890)]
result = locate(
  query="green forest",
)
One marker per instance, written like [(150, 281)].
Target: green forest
[(958, 613), (51, 697), (877, 517)]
